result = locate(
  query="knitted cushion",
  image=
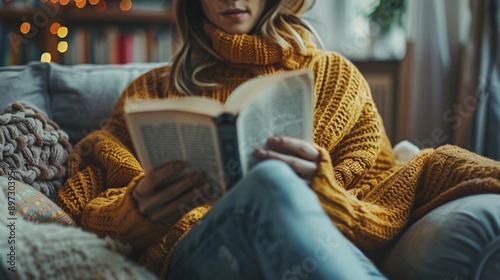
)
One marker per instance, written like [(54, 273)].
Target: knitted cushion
[(33, 205), (34, 147)]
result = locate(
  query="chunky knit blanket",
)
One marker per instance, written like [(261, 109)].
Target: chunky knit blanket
[(34, 146)]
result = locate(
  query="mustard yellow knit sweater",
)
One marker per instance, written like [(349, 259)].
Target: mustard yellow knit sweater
[(367, 195)]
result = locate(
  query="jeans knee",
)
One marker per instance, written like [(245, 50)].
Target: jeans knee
[(276, 181), (271, 169)]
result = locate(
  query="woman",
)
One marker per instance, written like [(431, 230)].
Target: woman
[(287, 219)]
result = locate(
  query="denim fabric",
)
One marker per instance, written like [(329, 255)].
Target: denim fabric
[(269, 226), (459, 240)]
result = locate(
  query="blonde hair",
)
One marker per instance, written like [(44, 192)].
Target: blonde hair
[(280, 24)]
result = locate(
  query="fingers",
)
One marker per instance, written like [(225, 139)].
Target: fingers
[(294, 146), (300, 155), (171, 212), (304, 168), (148, 184), (168, 195)]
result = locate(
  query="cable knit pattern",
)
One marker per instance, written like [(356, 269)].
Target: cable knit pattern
[(367, 195)]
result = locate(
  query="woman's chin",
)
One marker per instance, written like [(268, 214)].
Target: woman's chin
[(235, 29)]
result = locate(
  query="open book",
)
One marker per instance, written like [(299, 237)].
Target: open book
[(221, 139)]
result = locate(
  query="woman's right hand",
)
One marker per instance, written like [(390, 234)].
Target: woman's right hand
[(160, 202)]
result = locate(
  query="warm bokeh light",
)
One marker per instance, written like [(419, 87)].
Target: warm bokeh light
[(25, 27), (62, 32), (80, 3), (125, 5), (64, 2), (54, 28), (46, 57), (93, 2), (54, 1), (44, 1), (101, 6), (62, 47)]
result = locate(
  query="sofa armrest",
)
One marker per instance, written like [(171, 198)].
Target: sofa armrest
[(458, 240)]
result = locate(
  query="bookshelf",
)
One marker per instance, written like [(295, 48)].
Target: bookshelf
[(133, 16), (139, 34), (138, 16), (14, 14)]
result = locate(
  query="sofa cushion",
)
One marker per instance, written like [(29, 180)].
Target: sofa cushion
[(84, 95), (458, 240), (26, 83)]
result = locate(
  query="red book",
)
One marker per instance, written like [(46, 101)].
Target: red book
[(126, 48)]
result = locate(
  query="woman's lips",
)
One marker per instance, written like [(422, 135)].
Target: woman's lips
[(234, 13)]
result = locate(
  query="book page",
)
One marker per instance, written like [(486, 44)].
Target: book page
[(192, 104), (160, 137), (284, 107)]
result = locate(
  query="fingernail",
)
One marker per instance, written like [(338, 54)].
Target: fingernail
[(261, 152), (275, 140)]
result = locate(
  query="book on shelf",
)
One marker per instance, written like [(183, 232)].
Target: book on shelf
[(217, 139), (15, 49), (113, 45), (120, 39), (112, 40), (3, 44), (125, 47), (151, 5), (140, 46), (18, 3)]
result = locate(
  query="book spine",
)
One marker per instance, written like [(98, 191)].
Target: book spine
[(228, 143), (3, 43), (92, 44)]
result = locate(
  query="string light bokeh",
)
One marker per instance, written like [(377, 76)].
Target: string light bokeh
[(60, 32)]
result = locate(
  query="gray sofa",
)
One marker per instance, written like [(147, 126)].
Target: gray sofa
[(79, 98), (456, 241)]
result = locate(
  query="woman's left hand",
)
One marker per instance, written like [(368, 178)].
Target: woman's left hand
[(300, 155)]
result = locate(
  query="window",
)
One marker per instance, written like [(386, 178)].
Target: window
[(344, 27)]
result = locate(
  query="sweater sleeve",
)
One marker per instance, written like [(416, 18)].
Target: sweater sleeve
[(350, 137), (346, 121), (97, 194), (103, 170)]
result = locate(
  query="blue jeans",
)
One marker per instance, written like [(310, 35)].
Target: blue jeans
[(269, 226)]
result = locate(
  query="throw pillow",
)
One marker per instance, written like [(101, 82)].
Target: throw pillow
[(34, 147), (31, 204)]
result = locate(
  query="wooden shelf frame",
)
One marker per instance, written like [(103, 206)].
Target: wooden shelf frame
[(12, 14), (83, 15), (132, 16)]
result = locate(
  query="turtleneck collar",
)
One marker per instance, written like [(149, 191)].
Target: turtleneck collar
[(248, 49)]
